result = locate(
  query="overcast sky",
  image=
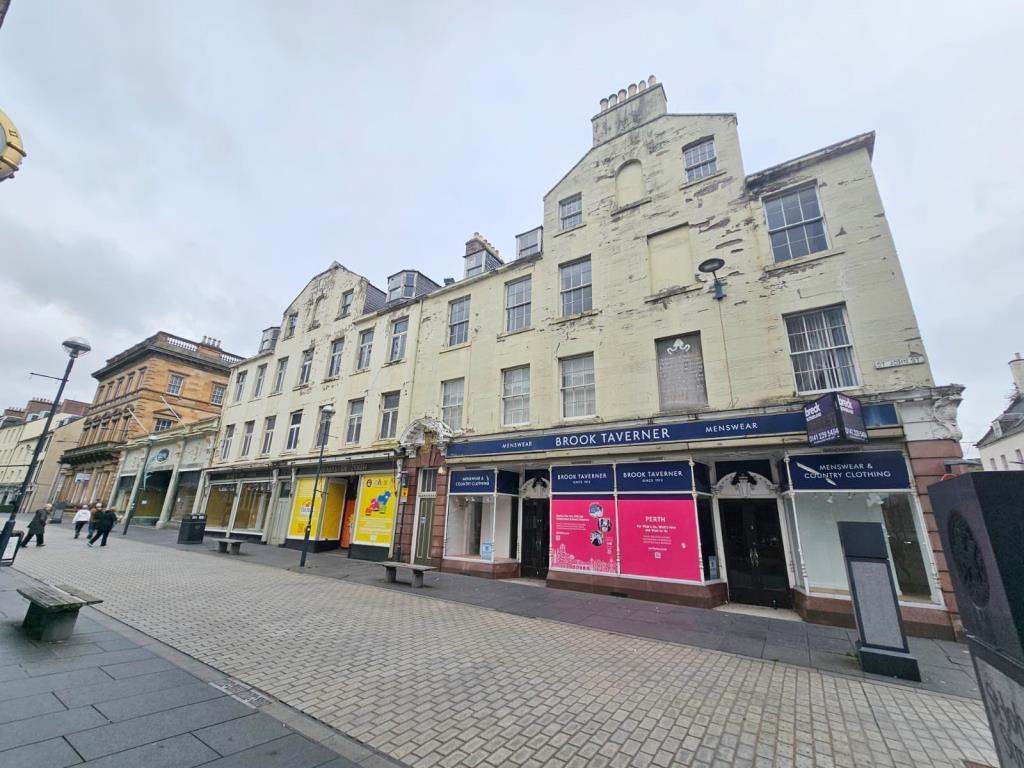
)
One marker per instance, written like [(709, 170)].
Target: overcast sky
[(192, 164)]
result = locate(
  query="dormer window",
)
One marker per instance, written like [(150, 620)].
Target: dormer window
[(401, 286), (475, 263), (529, 243)]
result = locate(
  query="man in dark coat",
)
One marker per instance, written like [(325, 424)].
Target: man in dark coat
[(37, 526), (105, 520)]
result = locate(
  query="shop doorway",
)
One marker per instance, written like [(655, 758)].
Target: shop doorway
[(755, 558), (536, 541), (424, 528)]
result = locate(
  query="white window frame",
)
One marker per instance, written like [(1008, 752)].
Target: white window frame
[(851, 345), (291, 323), (261, 377), (225, 443), (401, 286), (247, 431), (389, 416), (175, 384), (217, 395), (334, 358), (584, 289), (475, 263), (511, 400), (365, 349), (455, 326), (453, 399), (323, 427), (698, 161), (161, 425), (564, 390), (354, 422), (515, 310), (305, 368), (294, 431), (396, 349), (267, 442), (570, 212), (794, 225), (240, 378), (346, 303), (280, 373), (530, 243)]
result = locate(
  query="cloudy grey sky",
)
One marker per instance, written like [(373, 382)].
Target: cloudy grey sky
[(192, 164)]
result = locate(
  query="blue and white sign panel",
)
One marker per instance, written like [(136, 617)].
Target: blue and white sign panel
[(589, 478), (687, 431), (471, 481), (654, 476), (864, 471)]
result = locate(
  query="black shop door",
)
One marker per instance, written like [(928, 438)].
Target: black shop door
[(754, 556), (534, 562)]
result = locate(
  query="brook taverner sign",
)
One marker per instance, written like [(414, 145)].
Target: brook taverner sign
[(835, 418)]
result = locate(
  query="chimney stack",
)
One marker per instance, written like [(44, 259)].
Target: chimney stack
[(1017, 370), (628, 108), (480, 243)]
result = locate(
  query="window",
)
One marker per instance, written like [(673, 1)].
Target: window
[(282, 369), (175, 384), (1002, 460), (821, 350), (515, 396), (268, 433), (570, 211), (365, 349), (577, 385), (795, 225), (402, 286), (314, 319), (225, 443), (240, 385), (530, 243), (355, 421), (517, 304), (346, 303), (700, 160), (294, 425), (334, 361), (399, 330), (257, 385), (142, 377), (993, 463), (162, 425), (576, 288), (247, 430), (131, 380), (475, 263), (680, 362), (458, 321), (1019, 456), (323, 430), (452, 393), (389, 415), (306, 367), (290, 323), (120, 387), (217, 398)]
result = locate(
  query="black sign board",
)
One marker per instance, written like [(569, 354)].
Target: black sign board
[(835, 418)]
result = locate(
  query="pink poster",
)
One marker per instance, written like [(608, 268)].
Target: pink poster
[(583, 534), (658, 538)]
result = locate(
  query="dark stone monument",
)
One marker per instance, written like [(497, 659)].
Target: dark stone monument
[(980, 517), (882, 647)]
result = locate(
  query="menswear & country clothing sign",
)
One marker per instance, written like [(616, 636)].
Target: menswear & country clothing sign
[(863, 471)]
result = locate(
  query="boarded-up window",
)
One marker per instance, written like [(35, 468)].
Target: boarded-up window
[(629, 183), (681, 372), (670, 262)]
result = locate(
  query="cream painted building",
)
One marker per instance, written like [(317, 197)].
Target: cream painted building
[(1002, 447)]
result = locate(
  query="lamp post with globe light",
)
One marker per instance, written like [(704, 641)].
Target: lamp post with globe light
[(75, 347)]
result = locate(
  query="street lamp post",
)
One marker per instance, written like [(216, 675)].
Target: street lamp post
[(325, 420), (75, 348), (135, 495)]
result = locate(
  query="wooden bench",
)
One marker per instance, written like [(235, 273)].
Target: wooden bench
[(392, 569), (234, 544), (53, 611)]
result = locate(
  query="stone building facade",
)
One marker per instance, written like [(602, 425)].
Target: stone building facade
[(161, 382), (1002, 445)]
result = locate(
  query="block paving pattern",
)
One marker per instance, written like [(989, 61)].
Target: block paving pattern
[(436, 683)]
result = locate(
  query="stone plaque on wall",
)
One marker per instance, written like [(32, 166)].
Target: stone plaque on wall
[(681, 372)]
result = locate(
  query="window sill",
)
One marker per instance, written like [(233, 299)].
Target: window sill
[(571, 318), (696, 182), (301, 387), (580, 420), (328, 379), (570, 229), (799, 261), (357, 371), (399, 361), (517, 331), (631, 206), (677, 290), (812, 392), (463, 345), (274, 394)]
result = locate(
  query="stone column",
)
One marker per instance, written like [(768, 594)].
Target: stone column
[(172, 487)]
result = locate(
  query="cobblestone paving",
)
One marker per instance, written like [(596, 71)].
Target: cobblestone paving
[(435, 683)]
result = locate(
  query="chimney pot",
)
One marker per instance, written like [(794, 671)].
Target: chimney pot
[(652, 80), (622, 94), (449, 281), (604, 104), (632, 89), (613, 100), (642, 85), (1017, 370)]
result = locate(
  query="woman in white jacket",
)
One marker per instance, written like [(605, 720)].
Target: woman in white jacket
[(80, 519)]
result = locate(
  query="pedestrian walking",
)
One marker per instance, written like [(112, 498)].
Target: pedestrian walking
[(105, 520), (81, 519), (92, 517), (37, 525)]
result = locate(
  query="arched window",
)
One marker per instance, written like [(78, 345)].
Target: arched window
[(629, 184)]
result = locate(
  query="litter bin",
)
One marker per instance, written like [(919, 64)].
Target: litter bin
[(57, 514), (192, 530)]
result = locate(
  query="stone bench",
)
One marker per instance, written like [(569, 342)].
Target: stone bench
[(53, 611), (417, 571), (235, 545)]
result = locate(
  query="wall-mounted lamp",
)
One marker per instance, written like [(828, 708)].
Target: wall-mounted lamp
[(711, 266)]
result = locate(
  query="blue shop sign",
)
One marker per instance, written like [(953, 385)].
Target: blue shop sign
[(508, 482), (670, 476), (835, 418), (590, 478), (864, 471), (471, 481), (686, 431)]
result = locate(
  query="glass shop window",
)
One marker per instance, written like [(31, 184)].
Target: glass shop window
[(706, 526), (218, 505), (474, 520)]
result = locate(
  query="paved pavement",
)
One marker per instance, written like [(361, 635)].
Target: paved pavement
[(945, 666), (111, 696), (439, 682)]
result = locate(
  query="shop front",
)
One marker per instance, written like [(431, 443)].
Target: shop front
[(482, 530)]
